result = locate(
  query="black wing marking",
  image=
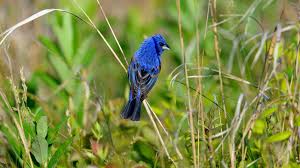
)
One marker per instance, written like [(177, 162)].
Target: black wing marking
[(142, 80)]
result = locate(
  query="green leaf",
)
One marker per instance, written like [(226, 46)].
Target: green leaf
[(144, 150), (65, 35), (42, 127), (97, 131), (268, 112), (46, 78), (79, 103), (297, 121), (52, 133), (87, 59), (38, 113), (39, 149), (279, 137), (51, 46), (83, 52), (63, 70), (259, 126), (29, 128), (11, 138), (59, 152), (60, 67), (50, 82)]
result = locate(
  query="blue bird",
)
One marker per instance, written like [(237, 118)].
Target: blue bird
[(143, 71)]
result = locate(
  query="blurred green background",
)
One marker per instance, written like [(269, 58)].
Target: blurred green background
[(75, 89)]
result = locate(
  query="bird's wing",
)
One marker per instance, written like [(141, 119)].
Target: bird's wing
[(142, 80)]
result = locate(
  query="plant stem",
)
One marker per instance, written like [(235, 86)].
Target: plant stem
[(191, 121)]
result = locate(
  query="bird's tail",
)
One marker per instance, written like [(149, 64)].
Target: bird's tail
[(132, 110)]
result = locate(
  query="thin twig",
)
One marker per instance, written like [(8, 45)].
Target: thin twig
[(200, 116), (112, 31), (217, 52), (161, 125), (191, 120), (157, 131), (101, 35), (165, 130)]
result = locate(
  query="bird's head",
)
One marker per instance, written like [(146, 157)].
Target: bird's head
[(160, 43)]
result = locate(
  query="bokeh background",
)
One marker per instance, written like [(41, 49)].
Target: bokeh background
[(73, 82)]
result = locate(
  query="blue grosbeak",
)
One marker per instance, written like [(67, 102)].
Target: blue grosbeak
[(142, 74)]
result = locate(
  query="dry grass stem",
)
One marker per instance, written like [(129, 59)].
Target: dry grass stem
[(190, 110), (112, 31), (101, 35), (157, 131), (213, 10)]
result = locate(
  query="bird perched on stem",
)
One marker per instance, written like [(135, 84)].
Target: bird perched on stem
[(143, 71)]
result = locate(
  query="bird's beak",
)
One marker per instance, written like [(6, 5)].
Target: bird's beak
[(166, 47)]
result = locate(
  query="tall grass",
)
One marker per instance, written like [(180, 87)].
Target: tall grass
[(245, 114)]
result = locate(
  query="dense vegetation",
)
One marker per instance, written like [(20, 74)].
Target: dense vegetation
[(227, 96)]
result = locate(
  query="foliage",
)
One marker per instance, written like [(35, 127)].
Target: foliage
[(246, 114)]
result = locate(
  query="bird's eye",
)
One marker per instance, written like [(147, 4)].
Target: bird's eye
[(161, 44)]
